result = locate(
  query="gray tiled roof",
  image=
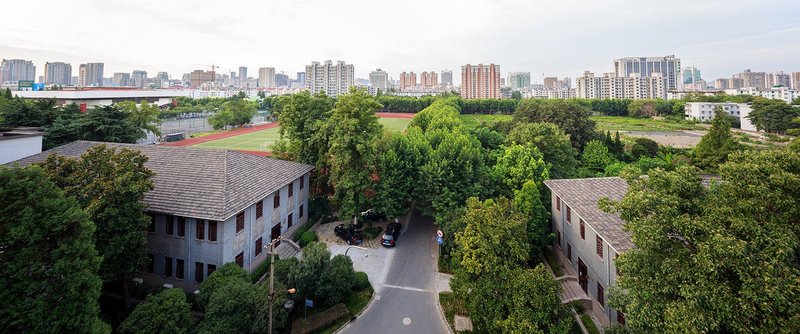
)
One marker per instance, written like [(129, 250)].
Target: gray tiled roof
[(200, 183), (582, 195)]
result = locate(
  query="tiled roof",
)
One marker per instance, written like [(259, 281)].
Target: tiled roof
[(200, 183), (582, 195)]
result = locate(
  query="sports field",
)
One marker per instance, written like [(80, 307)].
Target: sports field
[(263, 139)]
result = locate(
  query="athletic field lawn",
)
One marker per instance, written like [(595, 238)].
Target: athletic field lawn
[(620, 123), (258, 140), (473, 120)]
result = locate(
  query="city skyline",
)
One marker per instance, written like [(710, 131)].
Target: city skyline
[(768, 43)]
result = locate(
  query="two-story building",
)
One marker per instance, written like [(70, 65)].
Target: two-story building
[(589, 239), (210, 207)]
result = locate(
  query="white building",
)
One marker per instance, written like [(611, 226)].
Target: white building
[(104, 97), (333, 79), (611, 86), (19, 143), (379, 79), (668, 66), (704, 112), (545, 93), (779, 93), (266, 77)]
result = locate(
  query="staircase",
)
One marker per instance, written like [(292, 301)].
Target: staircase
[(288, 249)]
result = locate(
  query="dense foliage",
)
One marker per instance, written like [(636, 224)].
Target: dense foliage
[(163, 312), (717, 144)]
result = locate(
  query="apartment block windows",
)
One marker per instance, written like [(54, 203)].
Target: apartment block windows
[(169, 226), (302, 182), (291, 189), (601, 295), (301, 212), (212, 231), (240, 259), (259, 246), (179, 269), (198, 272), (200, 229), (181, 226), (599, 246), (276, 200), (211, 269), (239, 222), (168, 266), (558, 204), (569, 215), (583, 230), (259, 209)]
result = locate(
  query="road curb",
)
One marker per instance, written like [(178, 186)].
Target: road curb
[(347, 324)]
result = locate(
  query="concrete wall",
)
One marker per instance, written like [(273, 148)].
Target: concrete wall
[(599, 270), (18, 147), (229, 243)]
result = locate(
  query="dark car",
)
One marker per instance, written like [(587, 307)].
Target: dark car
[(349, 233), (372, 215), (389, 238)]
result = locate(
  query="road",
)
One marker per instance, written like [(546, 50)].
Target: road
[(406, 302)]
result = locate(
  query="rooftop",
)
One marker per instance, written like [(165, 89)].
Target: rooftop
[(199, 183), (582, 195)]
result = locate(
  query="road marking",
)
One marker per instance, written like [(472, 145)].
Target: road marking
[(404, 288), (406, 321)]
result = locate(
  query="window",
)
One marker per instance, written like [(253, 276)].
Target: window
[(291, 189), (276, 200), (558, 237), (601, 295), (212, 231), (200, 229), (239, 222), (302, 182), (301, 211), (621, 318), (259, 209), (569, 214), (168, 266), (211, 269), (179, 269), (151, 263), (289, 219), (152, 227), (569, 253), (558, 204), (169, 228), (599, 246), (198, 272), (259, 246), (240, 259), (583, 230), (181, 226)]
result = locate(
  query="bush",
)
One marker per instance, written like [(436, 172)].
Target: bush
[(262, 269), (307, 237), (319, 320), (362, 281), (372, 232)]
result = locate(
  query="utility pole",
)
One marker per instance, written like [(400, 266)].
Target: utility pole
[(271, 278)]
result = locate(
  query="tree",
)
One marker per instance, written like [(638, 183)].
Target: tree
[(644, 147), (280, 315), (163, 312), (21, 112), (717, 144), (108, 124), (721, 259), (642, 108), (569, 115), (596, 158), (518, 164), (399, 159), (528, 201), (229, 272), (64, 129), (552, 142), (773, 115), (318, 277), (231, 309), (110, 185), (221, 119), (241, 111), (535, 305), (143, 116), (49, 262), (354, 129)]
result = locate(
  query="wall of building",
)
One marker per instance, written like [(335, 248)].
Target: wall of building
[(18, 147)]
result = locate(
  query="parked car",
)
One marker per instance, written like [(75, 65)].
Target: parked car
[(389, 238), (349, 233), (372, 215)]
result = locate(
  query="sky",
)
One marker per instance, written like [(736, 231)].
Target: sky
[(544, 37)]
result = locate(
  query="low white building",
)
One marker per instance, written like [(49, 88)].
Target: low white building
[(86, 98), (19, 143), (704, 112), (778, 93)]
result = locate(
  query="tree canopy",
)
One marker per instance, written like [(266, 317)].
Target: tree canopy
[(717, 144), (164, 312), (569, 115), (554, 144)]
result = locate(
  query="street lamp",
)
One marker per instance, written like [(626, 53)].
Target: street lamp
[(357, 247)]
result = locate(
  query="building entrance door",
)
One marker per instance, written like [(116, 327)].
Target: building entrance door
[(276, 232), (583, 279)]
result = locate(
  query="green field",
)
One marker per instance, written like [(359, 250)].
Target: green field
[(619, 123), (395, 124), (473, 120)]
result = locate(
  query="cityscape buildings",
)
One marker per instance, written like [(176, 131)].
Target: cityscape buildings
[(242, 76), (139, 78), (668, 66), (611, 86), (266, 77), (779, 79), (408, 80), (447, 78), (199, 77), (13, 70), (379, 79), (281, 80), (795, 80), (691, 75), (333, 79), (429, 79), (90, 74), (752, 79), (57, 73), (480, 81), (519, 80), (121, 79)]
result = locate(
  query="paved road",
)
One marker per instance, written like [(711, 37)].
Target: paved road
[(406, 302)]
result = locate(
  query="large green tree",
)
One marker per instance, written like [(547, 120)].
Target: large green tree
[(320, 278), (528, 201), (773, 115), (48, 261), (143, 116), (554, 144), (717, 144), (109, 124), (354, 128), (595, 158), (535, 306), (399, 159), (231, 309), (518, 164), (110, 185), (164, 312), (722, 259), (569, 115), (229, 272)]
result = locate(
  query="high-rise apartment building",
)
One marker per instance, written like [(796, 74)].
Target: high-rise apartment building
[(588, 86), (57, 73), (121, 79), (795, 80), (722, 83), (379, 79), (408, 80), (779, 79), (281, 80), (668, 66), (139, 78), (242, 76), (447, 78), (16, 70), (429, 79), (691, 75), (480, 81), (611, 86), (735, 83), (333, 79), (752, 79), (199, 77), (90, 74), (266, 77), (519, 80)]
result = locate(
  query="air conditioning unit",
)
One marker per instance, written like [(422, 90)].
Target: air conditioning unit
[(138, 280), (167, 286)]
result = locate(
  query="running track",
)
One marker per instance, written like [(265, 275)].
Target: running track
[(241, 131)]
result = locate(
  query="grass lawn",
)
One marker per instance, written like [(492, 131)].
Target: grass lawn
[(395, 124), (451, 306), (473, 120), (620, 123)]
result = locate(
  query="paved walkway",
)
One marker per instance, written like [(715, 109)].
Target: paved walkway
[(222, 135)]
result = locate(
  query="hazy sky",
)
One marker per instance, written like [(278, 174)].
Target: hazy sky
[(556, 37)]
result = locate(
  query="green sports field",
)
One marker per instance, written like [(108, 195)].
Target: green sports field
[(259, 140)]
